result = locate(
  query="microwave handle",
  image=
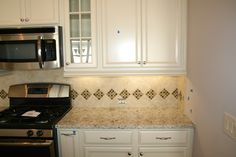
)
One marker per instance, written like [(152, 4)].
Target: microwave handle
[(39, 50)]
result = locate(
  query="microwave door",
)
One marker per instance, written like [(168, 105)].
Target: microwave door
[(20, 54)]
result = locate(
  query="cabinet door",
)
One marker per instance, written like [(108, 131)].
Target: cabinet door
[(121, 33), (163, 35), (68, 143), (108, 152), (80, 34), (11, 12), (163, 152), (42, 12)]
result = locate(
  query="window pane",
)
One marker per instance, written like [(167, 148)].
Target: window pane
[(74, 26)]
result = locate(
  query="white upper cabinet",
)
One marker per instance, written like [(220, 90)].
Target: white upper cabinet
[(148, 34), (29, 12), (125, 37), (80, 37), (11, 12), (121, 33), (163, 34)]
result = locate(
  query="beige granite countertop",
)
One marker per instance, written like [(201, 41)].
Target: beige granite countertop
[(123, 118)]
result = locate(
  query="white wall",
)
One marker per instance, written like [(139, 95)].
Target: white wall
[(212, 73)]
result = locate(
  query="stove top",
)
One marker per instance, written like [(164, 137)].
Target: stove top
[(43, 117), (36, 106)]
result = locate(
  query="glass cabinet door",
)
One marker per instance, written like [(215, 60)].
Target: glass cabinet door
[(80, 31)]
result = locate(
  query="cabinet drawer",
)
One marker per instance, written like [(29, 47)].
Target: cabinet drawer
[(167, 138), (108, 137)]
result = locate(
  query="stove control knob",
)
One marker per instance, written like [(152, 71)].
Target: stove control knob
[(30, 133), (39, 133)]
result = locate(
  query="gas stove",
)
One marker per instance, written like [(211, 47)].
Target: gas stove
[(36, 106), (29, 122), (30, 116)]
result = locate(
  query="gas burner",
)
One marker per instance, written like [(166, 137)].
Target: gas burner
[(3, 120), (41, 121)]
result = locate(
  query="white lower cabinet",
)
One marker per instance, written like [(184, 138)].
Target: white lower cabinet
[(68, 143), (108, 151), (163, 152), (126, 143)]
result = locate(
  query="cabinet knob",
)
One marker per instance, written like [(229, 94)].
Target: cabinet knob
[(141, 153), (144, 62), (67, 63), (139, 62), (22, 20), (129, 154), (27, 20)]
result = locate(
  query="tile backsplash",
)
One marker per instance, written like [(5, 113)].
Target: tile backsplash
[(135, 91)]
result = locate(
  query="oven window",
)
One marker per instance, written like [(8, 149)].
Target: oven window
[(26, 150), (18, 51)]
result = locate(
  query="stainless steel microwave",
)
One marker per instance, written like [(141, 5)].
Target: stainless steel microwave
[(31, 48)]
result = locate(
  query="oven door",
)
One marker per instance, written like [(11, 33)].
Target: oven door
[(27, 148)]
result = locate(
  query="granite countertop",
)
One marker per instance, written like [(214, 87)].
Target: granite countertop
[(123, 118)]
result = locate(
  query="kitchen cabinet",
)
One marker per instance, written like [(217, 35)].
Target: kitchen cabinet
[(128, 37), (108, 151), (29, 12), (106, 143), (146, 35), (80, 34), (68, 143), (121, 33), (163, 152), (165, 143), (126, 142)]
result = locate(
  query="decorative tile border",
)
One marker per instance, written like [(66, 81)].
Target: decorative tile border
[(137, 94), (3, 94), (86, 94), (124, 94), (151, 94), (73, 94), (111, 94), (99, 94), (164, 93)]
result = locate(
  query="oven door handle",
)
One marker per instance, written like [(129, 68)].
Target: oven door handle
[(22, 143), (39, 50)]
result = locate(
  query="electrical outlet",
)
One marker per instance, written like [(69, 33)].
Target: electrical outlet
[(121, 101), (230, 125)]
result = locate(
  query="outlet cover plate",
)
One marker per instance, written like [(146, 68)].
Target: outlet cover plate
[(230, 125)]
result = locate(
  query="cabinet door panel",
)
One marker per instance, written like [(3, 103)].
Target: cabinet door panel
[(164, 152), (120, 32), (108, 152), (43, 11), (80, 35), (11, 12), (68, 143), (162, 32)]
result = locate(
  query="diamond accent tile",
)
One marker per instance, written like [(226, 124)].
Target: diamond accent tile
[(151, 94), (164, 93), (3, 94), (98, 94), (86, 94), (111, 94), (137, 94), (175, 93), (124, 94), (73, 94)]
